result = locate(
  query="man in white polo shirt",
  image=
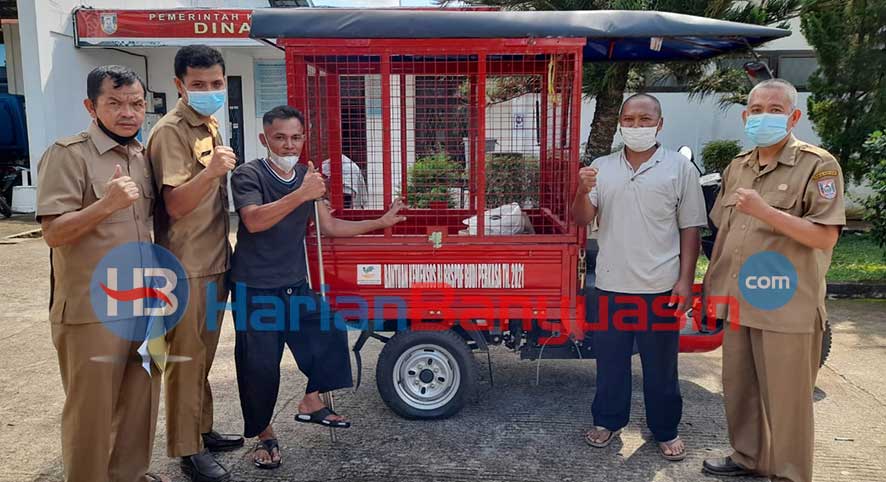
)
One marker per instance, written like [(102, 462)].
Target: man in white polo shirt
[(648, 205)]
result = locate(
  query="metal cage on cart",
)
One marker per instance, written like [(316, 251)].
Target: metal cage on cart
[(479, 137)]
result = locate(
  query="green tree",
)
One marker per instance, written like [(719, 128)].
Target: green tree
[(607, 82), (848, 91), (875, 149)]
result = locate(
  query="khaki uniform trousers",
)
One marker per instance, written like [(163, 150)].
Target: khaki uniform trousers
[(110, 405), (188, 394), (768, 380)]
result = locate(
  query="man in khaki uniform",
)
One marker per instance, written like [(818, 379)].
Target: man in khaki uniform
[(190, 165), (95, 194), (779, 215)]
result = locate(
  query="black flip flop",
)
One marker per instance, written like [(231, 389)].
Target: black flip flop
[(319, 417), (268, 445)]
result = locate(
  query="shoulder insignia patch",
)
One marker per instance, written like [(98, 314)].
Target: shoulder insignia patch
[(818, 151), (827, 188), (821, 174), (75, 139)]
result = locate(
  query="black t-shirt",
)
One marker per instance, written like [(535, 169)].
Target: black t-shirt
[(273, 258)]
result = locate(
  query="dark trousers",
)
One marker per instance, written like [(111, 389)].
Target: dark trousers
[(266, 320), (622, 323)]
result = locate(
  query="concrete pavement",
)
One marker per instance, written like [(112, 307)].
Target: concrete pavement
[(515, 431)]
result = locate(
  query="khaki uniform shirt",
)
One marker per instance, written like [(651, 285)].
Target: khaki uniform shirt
[(807, 182), (71, 176), (180, 146)]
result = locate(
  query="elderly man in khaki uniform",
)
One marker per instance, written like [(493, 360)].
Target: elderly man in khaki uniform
[(779, 214), (95, 194), (190, 165)]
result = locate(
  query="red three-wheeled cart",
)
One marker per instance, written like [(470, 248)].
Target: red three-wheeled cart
[(472, 118)]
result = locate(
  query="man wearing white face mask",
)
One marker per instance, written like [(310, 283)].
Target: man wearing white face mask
[(275, 199), (648, 204), (782, 203), (190, 164)]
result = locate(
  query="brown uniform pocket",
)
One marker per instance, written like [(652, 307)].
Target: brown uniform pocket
[(120, 215), (57, 309), (781, 200)]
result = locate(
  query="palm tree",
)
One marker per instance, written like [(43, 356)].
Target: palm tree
[(607, 82)]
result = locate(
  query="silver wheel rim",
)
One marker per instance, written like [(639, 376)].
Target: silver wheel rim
[(426, 377)]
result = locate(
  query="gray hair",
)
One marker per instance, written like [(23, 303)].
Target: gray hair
[(787, 87)]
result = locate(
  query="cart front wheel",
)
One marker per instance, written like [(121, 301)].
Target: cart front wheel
[(426, 375)]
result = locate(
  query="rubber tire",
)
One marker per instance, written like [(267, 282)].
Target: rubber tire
[(403, 341), (826, 341)]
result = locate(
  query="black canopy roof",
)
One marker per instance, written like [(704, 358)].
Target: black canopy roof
[(685, 37)]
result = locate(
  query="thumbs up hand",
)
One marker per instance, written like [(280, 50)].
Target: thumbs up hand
[(313, 186), (120, 191)]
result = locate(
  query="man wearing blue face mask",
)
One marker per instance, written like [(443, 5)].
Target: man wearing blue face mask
[(190, 164), (275, 197), (779, 215)]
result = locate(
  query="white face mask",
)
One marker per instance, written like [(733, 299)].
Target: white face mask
[(286, 163), (638, 139)]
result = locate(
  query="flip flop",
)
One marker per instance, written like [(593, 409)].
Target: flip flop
[(268, 446), (319, 417), (155, 477), (672, 457), (605, 443)]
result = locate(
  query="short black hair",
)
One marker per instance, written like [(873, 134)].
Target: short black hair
[(197, 57), (119, 74), (282, 112), (643, 95)]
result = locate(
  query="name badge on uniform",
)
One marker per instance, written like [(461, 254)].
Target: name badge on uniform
[(827, 188), (203, 149)]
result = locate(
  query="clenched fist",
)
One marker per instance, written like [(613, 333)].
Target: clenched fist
[(313, 186), (223, 160), (587, 179), (120, 191), (749, 202)]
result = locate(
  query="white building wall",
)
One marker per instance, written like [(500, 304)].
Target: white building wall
[(12, 42), (54, 72), (53, 79)]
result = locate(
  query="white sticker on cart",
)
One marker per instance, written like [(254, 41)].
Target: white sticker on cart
[(458, 276), (369, 274)]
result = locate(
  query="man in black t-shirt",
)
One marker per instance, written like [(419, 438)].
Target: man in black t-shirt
[(274, 306)]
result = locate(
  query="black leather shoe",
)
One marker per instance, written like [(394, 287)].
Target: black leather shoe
[(724, 467), (216, 442), (203, 467)]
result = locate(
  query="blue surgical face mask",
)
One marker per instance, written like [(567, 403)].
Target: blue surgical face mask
[(206, 102), (765, 130)]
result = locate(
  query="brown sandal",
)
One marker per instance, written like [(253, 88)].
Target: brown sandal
[(673, 457), (604, 443)]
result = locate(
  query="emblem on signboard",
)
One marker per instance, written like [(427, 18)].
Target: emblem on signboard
[(109, 23)]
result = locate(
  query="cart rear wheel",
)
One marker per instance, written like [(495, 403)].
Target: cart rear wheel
[(426, 375)]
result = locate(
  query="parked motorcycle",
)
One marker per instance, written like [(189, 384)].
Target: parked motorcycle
[(9, 176)]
